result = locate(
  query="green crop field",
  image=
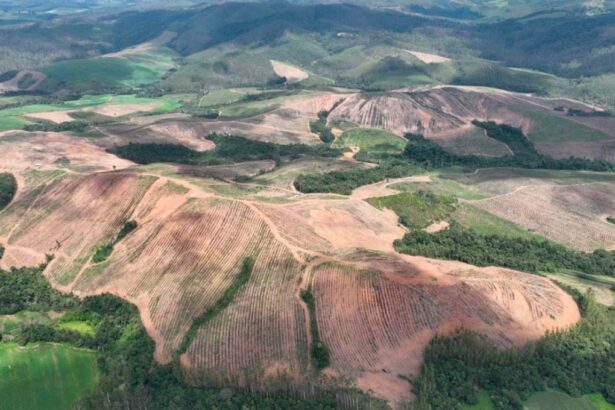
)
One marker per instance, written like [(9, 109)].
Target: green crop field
[(484, 402), (46, 377), (554, 400), (547, 128), (219, 97), (417, 209), (485, 223), (96, 73), (371, 141)]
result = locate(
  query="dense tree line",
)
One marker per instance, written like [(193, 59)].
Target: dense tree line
[(8, 188), (320, 351), (27, 289), (431, 155), (321, 128), (103, 252), (421, 152), (530, 255), (225, 300), (228, 149), (343, 182), (578, 361), (513, 137)]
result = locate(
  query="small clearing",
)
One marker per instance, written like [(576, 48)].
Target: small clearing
[(291, 73), (437, 227), (429, 58), (57, 117), (31, 79), (382, 188), (118, 110)]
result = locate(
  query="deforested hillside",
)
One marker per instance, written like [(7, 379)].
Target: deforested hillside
[(218, 279), (368, 205), (377, 316), (557, 127), (433, 112)]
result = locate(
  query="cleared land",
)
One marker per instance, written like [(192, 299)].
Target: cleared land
[(557, 400), (430, 58), (291, 73), (45, 376), (569, 207), (377, 314)]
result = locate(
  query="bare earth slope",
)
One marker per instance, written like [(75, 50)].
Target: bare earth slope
[(376, 311), (445, 113)]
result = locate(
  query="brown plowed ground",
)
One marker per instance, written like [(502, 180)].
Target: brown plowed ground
[(376, 310), (46, 151), (432, 112), (190, 133), (377, 323)]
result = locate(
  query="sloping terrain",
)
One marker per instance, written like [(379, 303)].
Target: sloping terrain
[(377, 314), (434, 112), (188, 249), (567, 207), (559, 128)]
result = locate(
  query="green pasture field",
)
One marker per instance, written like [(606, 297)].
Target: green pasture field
[(371, 141), (45, 376)]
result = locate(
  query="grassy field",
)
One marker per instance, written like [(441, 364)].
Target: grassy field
[(9, 324), (484, 402), (602, 286), (442, 186), (599, 402), (549, 128), (78, 326), (219, 97), (16, 117), (99, 72), (373, 142), (46, 377), (551, 400), (417, 209), (247, 110), (485, 223)]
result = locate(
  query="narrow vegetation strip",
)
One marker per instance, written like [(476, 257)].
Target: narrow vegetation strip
[(8, 189), (530, 255), (319, 351), (343, 182), (103, 252), (228, 149), (225, 300)]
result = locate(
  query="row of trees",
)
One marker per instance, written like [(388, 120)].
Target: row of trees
[(530, 255), (431, 155), (8, 188), (228, 149), (343, 182)]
